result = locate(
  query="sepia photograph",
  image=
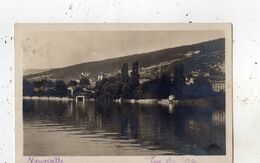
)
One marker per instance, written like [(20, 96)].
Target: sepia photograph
[(124, 91)]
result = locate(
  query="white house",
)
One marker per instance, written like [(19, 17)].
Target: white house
[(219, 86)]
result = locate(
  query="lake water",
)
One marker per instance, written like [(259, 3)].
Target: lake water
[(77, 129)]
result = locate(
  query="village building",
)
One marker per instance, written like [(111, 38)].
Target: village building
[(195, 74), (102, 75), (218, 86)]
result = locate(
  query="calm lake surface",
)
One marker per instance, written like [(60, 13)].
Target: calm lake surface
[(77, 129)]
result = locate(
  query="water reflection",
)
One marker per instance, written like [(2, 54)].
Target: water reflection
[(171, 108), (121, 129)]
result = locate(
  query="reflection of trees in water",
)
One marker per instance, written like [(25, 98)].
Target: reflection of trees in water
[(182, 129), (195, 128), (218, 118)]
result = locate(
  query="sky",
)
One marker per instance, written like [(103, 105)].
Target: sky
[(54, 49)]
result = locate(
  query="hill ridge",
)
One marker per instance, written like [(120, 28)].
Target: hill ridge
[(144, 59)]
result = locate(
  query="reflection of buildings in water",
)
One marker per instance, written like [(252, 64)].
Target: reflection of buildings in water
[(129, 126), (80, 110), (157, 128), (76, 113), (190, 124), (197, 129), (80, 104), (218, 118), (70, 109), (91, 116), (148, 132), (171, 108), (99, 121)]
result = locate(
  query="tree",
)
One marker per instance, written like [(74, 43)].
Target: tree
[(78, 91), (127, 92), (51, 92), (124, 73), (72, 87), (39, 86), (179, 81), (165, 86), (150, 89), (72, 83), (61, 88), (49, 88), (84, 82), (108, 89), (28, 88), (201, 88), (135, 76), (49, 84)]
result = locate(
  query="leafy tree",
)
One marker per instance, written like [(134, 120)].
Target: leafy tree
[(124, 73), (49, 88), (28, 88), (200, 88), (84, 82), (165, 86), (201, 81), (127, 91), (51, 92), (72, 83), (179, 80), (150, 89), (108, 88), (78, 90), (61, 88), (49, 84), (135, 75), (39, 86)]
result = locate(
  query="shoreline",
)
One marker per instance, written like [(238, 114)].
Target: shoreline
[(195, 102), (48, 98), (132, 101)]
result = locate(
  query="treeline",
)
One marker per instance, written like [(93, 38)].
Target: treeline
[(124, 85), (127, 86), (58, 88)]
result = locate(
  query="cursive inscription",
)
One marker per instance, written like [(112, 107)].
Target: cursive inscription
[(48, 160), (155, 159)]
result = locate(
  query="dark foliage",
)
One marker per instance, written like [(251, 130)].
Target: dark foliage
[(61, 88), (49, 88), (134, 83), (72, 83), (39, 87), (127, 91), (49, 84), (124, 73), (108, 89), (165, 85), (150, 89), (28, 88), (51, 92), (84, 82), (179, 81)]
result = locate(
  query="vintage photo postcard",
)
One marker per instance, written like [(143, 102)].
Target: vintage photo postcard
[(155, 93)]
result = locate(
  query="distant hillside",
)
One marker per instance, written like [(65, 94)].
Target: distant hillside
[(210, 58), (33, 71)]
